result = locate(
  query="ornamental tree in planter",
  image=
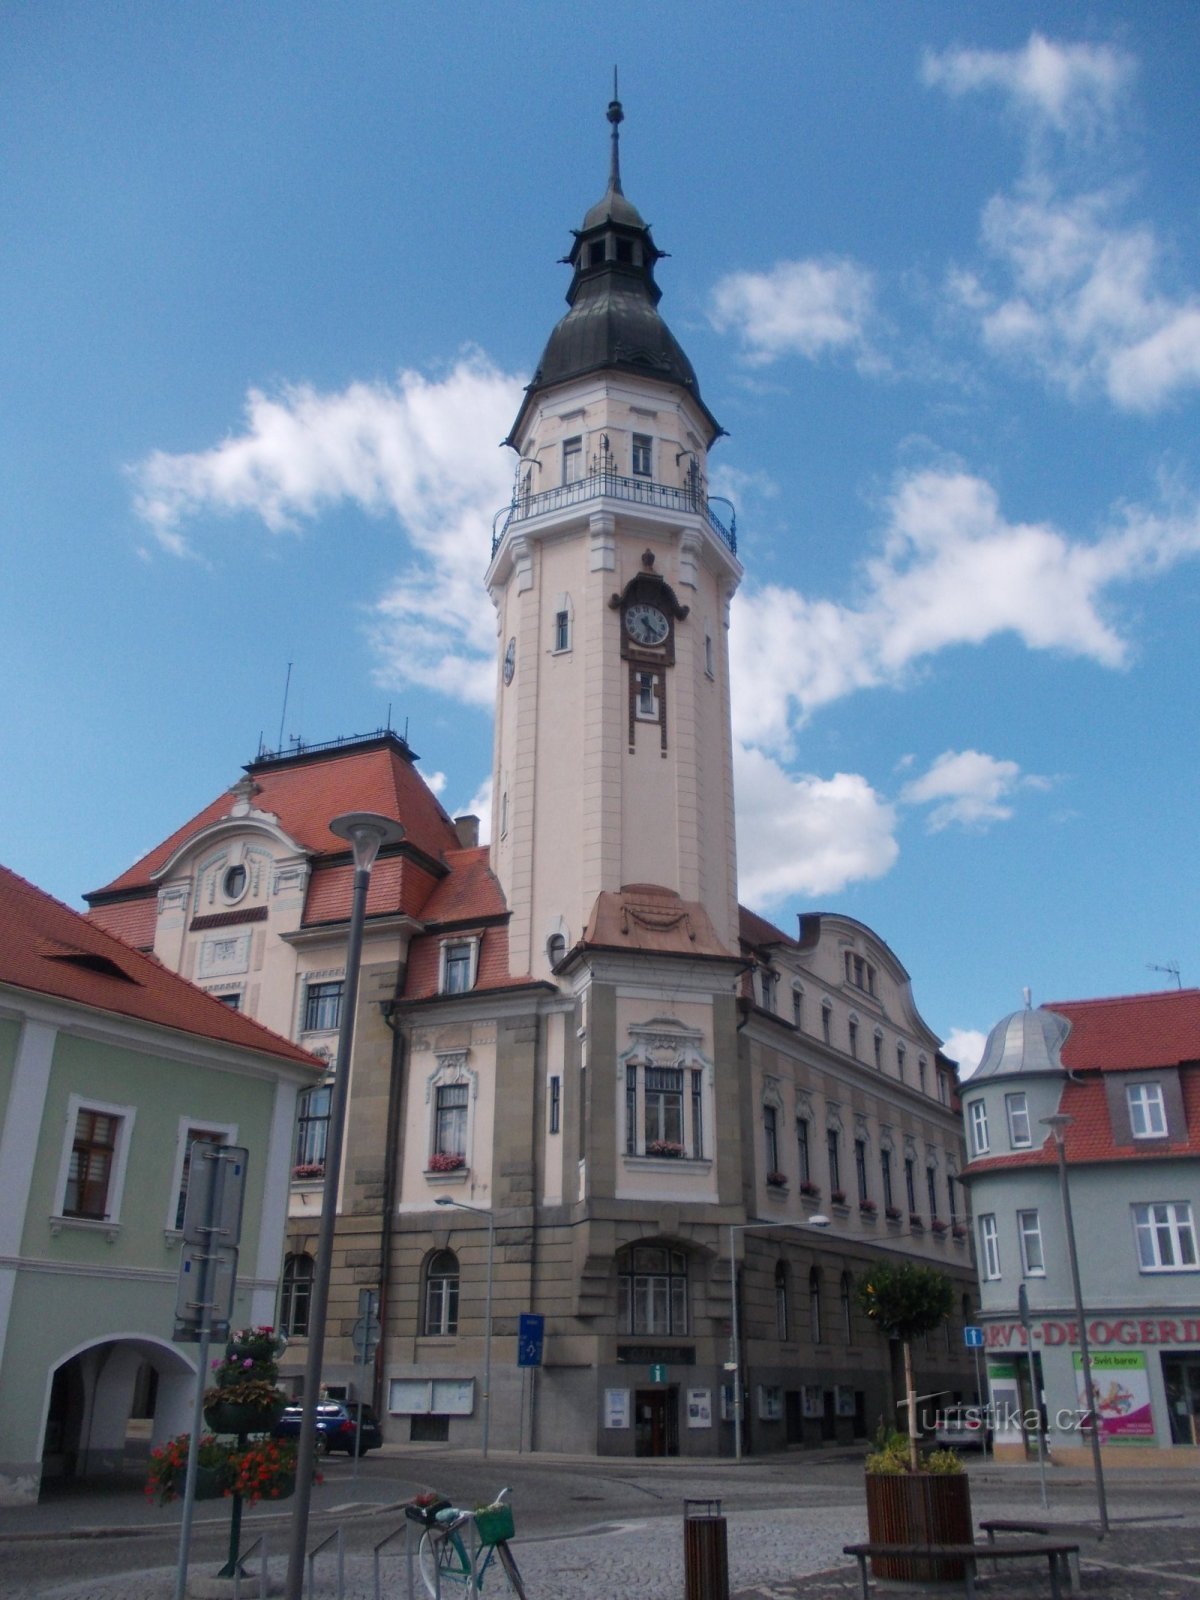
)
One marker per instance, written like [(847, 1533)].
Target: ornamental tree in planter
[(910, 1501)]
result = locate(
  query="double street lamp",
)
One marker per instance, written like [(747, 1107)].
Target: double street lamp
[(735, 1321), (460, 1205), (366, 833)]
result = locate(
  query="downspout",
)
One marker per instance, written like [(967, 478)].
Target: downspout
[(391, 1171)]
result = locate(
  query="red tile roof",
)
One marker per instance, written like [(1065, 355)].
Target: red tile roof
[(424, 971), (756, 930), (1128, 1033), (471, 890), (305, 793), (1131, 1031), (131, 920), (48, 949)]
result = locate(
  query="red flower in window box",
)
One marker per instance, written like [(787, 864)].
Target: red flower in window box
[(892, 1213), (837, 1197), (809, 1188), (938, 1225), (916, 1221), (959, 1231), (777, 1180), (664, 1147), (309, 1169), (868, 1207), (445, 1161)]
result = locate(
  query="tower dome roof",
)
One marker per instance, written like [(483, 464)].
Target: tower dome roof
[(613, 322), (1026, 1042)]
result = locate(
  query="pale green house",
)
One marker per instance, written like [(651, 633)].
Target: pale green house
[(110, 1068)]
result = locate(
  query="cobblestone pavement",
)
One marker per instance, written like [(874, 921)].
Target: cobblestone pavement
[(1152, 1553)]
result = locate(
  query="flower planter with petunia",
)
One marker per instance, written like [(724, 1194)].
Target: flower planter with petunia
[(777, 1180), (939, 1227), (867, 1208), (444, 1161), (837, 1197), (665, 1147), (893, 1214), (809, 1189)]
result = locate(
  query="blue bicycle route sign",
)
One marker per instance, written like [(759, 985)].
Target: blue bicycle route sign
[(531, 1333)]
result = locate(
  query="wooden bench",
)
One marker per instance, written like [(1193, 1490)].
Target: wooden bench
[(1043, 1530), (970, 1555)]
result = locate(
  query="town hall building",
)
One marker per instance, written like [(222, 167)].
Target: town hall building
[(586, 1084)]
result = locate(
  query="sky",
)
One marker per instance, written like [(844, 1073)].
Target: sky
[(274, 276)]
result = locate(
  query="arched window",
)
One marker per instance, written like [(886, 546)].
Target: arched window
[(848, 1307), (781, 1301), (441, 1293), (814, 1304), (295, 1294), (653, 1290), (556, 948)]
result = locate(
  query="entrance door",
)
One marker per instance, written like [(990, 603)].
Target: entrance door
[(1181, 1379), (656, 1422)]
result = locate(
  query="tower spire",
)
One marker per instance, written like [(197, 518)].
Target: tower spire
[(616, 116)]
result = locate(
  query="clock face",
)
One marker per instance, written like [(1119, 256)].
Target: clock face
[(510, 661), (646, 624)]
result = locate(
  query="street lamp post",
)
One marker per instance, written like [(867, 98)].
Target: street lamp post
[(460, 1205), (367, 833), (736, 1354), (1058, 1125)]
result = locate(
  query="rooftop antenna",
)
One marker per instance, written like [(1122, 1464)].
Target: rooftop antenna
[(1027, 992), (287, 682), (616, 116), (1171, 969)]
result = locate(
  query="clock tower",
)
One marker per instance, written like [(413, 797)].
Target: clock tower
[(612, 577)]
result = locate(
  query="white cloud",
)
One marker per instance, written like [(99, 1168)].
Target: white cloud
[(950, 570), (806, 835), (805, 308), (480, 805), (969, 789), (422, 450), (965, 1045), (435, 781), (1075, 293), (1071, 87)]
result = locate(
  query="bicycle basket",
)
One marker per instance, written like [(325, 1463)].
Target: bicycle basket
[(494, 1523)]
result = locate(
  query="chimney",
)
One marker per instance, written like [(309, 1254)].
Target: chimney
[(467, 829)]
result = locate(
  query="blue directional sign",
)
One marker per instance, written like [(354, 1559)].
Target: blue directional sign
[(531, 1334), (973, 1338)]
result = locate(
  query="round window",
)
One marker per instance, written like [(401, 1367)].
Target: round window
[(233, 884)]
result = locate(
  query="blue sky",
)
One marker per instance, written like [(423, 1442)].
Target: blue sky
[(274, 276)]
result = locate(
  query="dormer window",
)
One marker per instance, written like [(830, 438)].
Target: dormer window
[(1147, 1113), (458, 966)]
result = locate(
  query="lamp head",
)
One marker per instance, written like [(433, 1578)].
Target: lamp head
[(367, 833), (819, 1221), (1058, 1125)]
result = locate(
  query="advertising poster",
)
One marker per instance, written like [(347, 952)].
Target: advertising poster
[(699, 1408), (1122, 1387), (616, 1408)]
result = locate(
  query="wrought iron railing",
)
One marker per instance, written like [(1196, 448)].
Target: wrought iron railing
[(601, 485)]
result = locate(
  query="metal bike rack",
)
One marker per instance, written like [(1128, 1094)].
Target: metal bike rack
[(338, 1536), (412, 1538), (262, 1568)]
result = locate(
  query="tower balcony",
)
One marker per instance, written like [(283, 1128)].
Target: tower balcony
[(605, 485)]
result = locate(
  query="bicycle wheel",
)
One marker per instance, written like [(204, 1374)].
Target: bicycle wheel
[(441, 1557), (508, 1562)]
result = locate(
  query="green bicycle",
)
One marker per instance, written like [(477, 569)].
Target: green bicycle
[(450, 1563)]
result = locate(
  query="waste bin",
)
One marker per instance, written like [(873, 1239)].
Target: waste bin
[(705, 1551)]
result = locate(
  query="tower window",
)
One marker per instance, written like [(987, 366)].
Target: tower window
[(647, 696), (596, 254), (625, 251), (642, 444), (573, 459), (562, 630)]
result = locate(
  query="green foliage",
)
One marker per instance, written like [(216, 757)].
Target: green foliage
[(946, 1463), (906, 1301), (890, 1454)]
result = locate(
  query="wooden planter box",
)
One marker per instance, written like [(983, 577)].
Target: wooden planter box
[(918, 1508)]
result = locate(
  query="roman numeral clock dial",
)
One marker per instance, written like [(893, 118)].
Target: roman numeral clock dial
[(646, 625)]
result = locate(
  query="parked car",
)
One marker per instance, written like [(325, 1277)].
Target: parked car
[(336, 1427), (961, 1428)]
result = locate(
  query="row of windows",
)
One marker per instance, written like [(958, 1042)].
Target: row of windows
[(1163, 1232), (768, 982), (833, 1167), (641, 462), (1144, 1102)]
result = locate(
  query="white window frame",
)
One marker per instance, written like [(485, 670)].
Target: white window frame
[(989, 1248), (125, 1117), (1016, 1109), (1146, 1105), (977, 1113), (642, 448), (471, 941), (1150, 1220), (696, 1113), (572, 459), (187, 1131), (1033, 1256), (451, 1071), (563, 609), (768, 984), (647, 705)]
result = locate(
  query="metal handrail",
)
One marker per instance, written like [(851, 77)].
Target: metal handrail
[(604, 484)]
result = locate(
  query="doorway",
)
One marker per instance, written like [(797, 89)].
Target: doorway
[(1181, 1379), (656, 1422)]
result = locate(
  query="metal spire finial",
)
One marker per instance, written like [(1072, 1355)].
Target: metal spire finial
[(616, 116)]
